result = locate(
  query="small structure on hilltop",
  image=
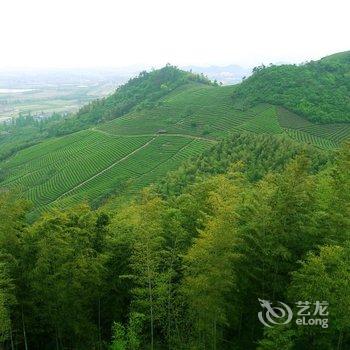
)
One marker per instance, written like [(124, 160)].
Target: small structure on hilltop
[(161, 131)]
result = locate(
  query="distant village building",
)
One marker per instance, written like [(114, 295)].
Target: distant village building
[(6, 120), (39, 117)]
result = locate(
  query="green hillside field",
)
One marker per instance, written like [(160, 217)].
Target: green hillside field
[(209, 111), (127, 153), (88, 164)]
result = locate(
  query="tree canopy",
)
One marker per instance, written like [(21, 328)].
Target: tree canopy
[(184, 268)]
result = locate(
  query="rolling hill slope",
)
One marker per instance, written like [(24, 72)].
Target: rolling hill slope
[(210, 111), (317, 90), (89, 164), (165, 127)]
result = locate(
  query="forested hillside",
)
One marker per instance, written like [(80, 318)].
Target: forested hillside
[(150, 206), (23, 132), (182, 267), (317, 90), (259, 155)]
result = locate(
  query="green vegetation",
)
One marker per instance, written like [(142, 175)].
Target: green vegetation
[(23, 132), (183, 268), (325, 136), (209, 111), (259, 153), (264, 122), (89, 164), (142, 92), (159, 120), (200, 209), (318, 91), (194, 109), (303, 136), (139, 168)]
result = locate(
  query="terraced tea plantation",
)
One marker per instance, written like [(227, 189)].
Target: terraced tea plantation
[(325, 136), (89, 164), (193, 110), (209, 112), (133, 151), (139, 169)]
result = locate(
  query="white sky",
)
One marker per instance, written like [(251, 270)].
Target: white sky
[(115, 33)]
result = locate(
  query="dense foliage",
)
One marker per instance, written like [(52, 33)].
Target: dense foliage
[(186, 271), (90, 164), (259, 153), (319, 91)]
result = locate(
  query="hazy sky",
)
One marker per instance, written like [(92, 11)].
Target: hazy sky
[(114, 33)]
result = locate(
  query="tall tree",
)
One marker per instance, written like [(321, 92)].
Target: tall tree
[(325, 277), (67, 275), (146, 261), (209, 266)]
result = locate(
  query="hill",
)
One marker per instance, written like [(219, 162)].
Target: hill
[(210, 111), (139, 92), (339, 57), (147, 128), (318, 91), (142, 91)]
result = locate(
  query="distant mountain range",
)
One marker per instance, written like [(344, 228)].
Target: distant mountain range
[(231, 74), (21, 78)]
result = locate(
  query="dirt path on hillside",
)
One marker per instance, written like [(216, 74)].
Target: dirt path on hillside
[(160, 135)]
